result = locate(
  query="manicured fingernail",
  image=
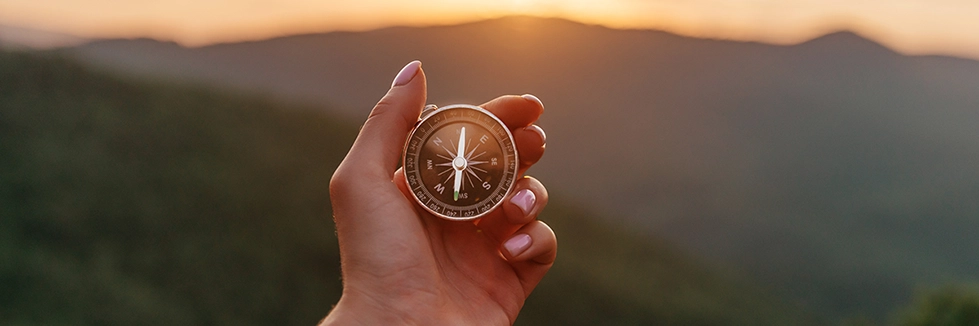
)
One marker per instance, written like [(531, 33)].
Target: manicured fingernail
[(539, 131), (524, 199), (531, 97), (407, 73), (517, 244)]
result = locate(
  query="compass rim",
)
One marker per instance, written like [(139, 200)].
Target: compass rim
[(516, 159)]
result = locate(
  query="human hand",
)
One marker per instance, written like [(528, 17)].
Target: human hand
[(402, 265)]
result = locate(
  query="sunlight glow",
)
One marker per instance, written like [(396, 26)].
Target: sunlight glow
[(911, 26)]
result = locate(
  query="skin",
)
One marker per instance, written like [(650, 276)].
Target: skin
[(402, 265)]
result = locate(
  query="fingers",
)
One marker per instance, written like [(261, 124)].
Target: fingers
[(531, 251), (529, 197), (534, 242), (515, 111), (377, 149), (519, 114), (531, 142)]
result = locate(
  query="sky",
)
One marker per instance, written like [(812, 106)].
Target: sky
[(909, 26)]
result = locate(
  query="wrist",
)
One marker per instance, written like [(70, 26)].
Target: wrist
[(361, 309), (354, 312)]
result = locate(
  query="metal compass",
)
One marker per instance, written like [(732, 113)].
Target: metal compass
[(460, 161)]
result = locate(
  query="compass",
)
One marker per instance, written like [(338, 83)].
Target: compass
[(460, 161)]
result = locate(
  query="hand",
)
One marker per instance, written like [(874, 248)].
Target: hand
[(402, 265)]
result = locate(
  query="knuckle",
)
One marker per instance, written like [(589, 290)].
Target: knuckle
[(339, 182), (388, 106)]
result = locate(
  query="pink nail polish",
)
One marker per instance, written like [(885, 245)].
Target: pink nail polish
[(525, 200), (531, 97), (517, 244), (406, 73), (539, 131)]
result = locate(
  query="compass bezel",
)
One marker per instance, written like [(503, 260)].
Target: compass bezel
[(432, 203)]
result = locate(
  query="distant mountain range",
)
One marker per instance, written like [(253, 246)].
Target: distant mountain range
[(837, 171), (16, 37)]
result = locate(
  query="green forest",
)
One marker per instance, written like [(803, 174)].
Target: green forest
[(128, 201)]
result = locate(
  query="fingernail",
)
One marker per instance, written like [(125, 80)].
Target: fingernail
[(406, 73), (539, 131), (531, 97), (524, 199), (517, 244)]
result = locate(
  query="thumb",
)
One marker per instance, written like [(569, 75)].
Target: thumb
[(378, 147)]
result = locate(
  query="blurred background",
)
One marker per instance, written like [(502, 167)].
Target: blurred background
[(710, 162)]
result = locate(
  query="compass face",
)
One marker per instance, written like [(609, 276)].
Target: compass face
[(460, 162)]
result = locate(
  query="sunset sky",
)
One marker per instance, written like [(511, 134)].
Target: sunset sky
[(910, 26)]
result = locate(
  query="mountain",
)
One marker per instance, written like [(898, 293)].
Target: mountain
[(29, 38), (837, 171), (128, 202)]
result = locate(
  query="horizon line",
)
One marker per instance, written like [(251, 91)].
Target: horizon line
[(73, 40)]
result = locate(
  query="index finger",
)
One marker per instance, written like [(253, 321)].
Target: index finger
[(515, 111)]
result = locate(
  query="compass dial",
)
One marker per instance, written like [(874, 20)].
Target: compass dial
[(460, 162)]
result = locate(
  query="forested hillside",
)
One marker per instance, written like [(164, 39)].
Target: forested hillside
[(128, 202)]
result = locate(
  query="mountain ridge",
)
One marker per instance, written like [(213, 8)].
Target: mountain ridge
[(843, 34), (31, 38), (845, 39)]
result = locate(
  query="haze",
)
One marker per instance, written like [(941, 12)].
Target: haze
[(912, 26)]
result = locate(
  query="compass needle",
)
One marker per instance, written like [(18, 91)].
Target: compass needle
[(459, 163), (457, 184), (462, 142)]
